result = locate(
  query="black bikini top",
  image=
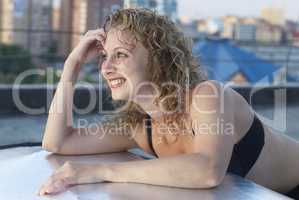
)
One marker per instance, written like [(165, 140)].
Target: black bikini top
[(149, 133), (245, 152)]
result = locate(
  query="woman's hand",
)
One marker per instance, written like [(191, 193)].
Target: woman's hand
[(90, 45), (63, 177), (72, 173)]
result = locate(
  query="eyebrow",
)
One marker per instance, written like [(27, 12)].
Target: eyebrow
[(116, 48)]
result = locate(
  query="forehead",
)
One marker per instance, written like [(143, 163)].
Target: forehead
[(120, 38)]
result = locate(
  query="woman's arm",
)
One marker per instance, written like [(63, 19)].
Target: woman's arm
[(208, 155), (60, 122), (60, 137), (203, 166), (185, 171)]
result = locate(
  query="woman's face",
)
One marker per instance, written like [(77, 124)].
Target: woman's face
[(124, 64)]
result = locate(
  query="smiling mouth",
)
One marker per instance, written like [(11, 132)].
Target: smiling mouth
[(116, 83)]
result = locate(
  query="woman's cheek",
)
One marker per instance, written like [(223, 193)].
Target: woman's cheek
[(126, 63)]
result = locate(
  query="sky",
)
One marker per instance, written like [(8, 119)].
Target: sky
[(215, 8)]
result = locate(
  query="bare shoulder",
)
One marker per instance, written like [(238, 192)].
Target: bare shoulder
[(207, 87), (210, 95), (214, 102), (212, 88)]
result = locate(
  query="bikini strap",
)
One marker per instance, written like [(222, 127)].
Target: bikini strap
[(149, 133)]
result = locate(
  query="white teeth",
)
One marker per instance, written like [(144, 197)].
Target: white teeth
[(117, 82)]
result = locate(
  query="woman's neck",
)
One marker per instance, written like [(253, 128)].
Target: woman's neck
[(146, 102)]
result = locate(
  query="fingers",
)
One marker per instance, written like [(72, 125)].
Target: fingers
[(91, 44), (60, 180), (98, 42), (94, 37), (53, 187), (98, 35), (98, 32)]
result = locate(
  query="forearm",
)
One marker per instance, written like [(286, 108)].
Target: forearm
[(186, 171), (59, 122)]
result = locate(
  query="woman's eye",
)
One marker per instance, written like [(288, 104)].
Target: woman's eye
[(121, 55), (103, 57)]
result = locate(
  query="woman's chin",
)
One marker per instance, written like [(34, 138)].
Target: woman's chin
[(116, 98), (119, 96)]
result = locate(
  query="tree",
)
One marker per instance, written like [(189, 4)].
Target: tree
[(13, 61)]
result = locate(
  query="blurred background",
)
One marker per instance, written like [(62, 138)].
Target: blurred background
[(252, 44)]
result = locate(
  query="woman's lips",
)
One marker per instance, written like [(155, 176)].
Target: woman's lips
[(116, 83)]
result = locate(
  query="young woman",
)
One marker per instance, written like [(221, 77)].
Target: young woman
[(197, 128)]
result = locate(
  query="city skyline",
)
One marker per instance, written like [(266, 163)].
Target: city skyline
[(252, 8)]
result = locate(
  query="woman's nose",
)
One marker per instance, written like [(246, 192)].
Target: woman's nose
[(107, 67)]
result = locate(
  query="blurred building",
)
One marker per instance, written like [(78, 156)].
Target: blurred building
[(245, 30), (82, 15), (274, 15), (252, 30), (55, 16), (72, 22), (21, 21), (229, 23), (99, 9), (189, 29), (295, 38), (210, 26), (292, 30), (169, 9), (268, 33), (149, 4), (40, 26), (30, 22), (6, 21), (26, 23), (51, 26)]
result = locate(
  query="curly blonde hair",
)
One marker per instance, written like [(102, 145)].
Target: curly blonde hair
[(170, 60)]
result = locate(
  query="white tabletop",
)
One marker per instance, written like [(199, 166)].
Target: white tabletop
[(23, 174)]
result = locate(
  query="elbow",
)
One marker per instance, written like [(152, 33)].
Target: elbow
[(50, 148), (213, 181), (207, 182), (215, 178), (215, 174), (52, 144), (211, 175)]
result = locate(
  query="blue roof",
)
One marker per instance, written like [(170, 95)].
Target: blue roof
[(223, 60), (292, 78)]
